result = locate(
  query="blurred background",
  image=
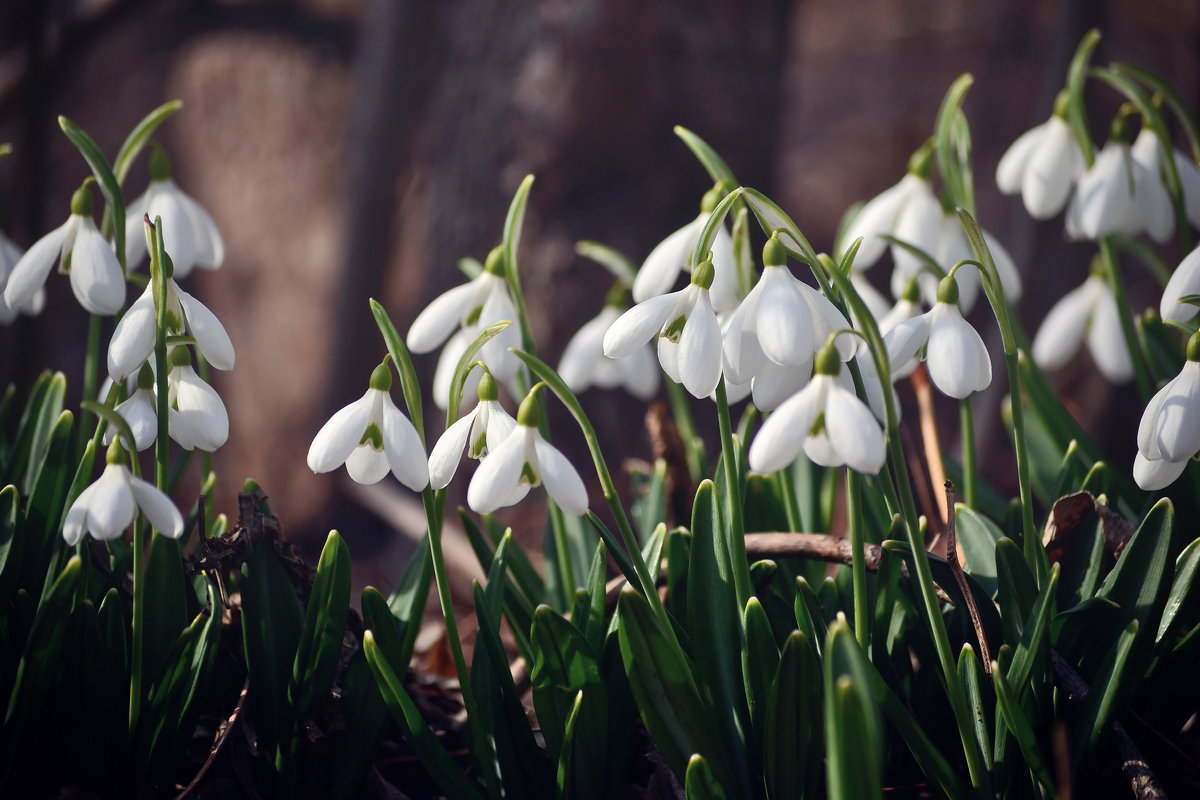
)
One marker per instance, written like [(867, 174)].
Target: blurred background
[(358, 148)]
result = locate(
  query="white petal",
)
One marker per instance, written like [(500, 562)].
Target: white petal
[(562, 482), (133, 340), (96, 276), (111, 509), (1006, 268), (1189, 180), (920, 225), (210, 334), (1104, 200), (1178, 429), (852, 429), (1013, 164), (366, 465), (448, 451), (724, 292), (774, 383), (1061, 334), (1154, 475), (1051, 171), (639, 372), (210, 247), (586, 350), (905, 341), (402, 445), (1106, 341), (201, 408), (495, 352), (639, 324), (34, 267), (878, 216), (135, 225), (340, 435), (1147, 435), (158, 508), (825, 320), (141, 416), (75, 522), (1153, 201), (875, 300), (741, 355), (495, 482), (700, 350), (956, 357), (443, 375), (439, 319), (176, 228), (1184, 281), (784, 319), (781, 438), (668, 358), (661, 268)]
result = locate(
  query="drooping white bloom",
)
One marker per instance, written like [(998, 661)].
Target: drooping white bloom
[(689, 343), (1169, 433), (673, 255), (524, 460), (1042, 165), (955, 355), (10, 254), (584, 364), (133, 339), (1148, 151), (140, 412), (830, 424), (1184, 281), (907, 205), (189, 234), (196, 416), (1088, 313), (464, 311), (107, 507), (371, 436), (1118, 195), (96, 277), (478, 432)]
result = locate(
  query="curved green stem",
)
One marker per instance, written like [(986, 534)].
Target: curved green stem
[(91, 370), (733, 487), (854, 522), (681, 412), (967, 436), (1112, 271)]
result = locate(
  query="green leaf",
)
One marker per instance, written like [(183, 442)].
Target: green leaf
[(42, 410), (514, 222), (41, 529), (954, 145), (717, 169), (1016, 588), (595, 625), (463, 367), (320, 645), (10, 544), (792, 723), (433, 756), (699, 782), (109, 186), (407, 603), (760, 662), (409, 384), (564, 664), (978, 536), (1009, 711), (1140, 581), (139, 136), (650, 508), (1076, 113), (1178, 104), (709, 231), (773, 219), (1109, 693), (716, 631), (1034, 645), (166, 612), (665, 691), (853, 730), (810, 617), (1187, 566), (970, 674), (610, 258)]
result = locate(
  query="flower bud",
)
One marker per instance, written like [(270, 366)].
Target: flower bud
[(703, 273)]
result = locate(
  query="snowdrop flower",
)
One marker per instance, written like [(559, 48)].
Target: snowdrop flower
[(672, 255), (1088, 313), (464, 311), (948, 248), (1042, 165), (133, 340), (189, 233), (1184, 281), (831, 425), (478, 432), (584, 364), (1119, 195), (524, 460), (371, 436), (81, 251), (689, 343), (1148, 151), (107, 507), (955, 355), (196, 417), (10, 254), (140, 411), (908, 210), (1169, 433)]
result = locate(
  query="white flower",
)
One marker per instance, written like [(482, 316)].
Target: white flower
[(107, 507), (133, 339), (190, 236), (673, 255), (1155, 475), (907, 210), (467, 309), (96, 277), (10, 254), (140, 411), (830, 424), (1118, 195), (584, 364), (955, 355), (1184, 281), (1088, 313), (196, 417), (1042, 165), (1170, 426), (1147, 150), (479, 432), (523, 460), (689, 344), (371, 436)]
